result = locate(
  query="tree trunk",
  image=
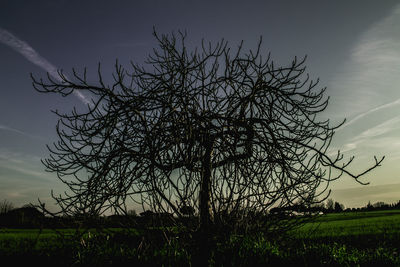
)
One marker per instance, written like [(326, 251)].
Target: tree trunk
[(204, 231), (205, 191)]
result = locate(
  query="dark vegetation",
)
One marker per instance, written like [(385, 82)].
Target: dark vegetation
[(29, 216), (368, 238)]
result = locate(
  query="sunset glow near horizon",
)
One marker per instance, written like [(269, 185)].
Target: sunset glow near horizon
[(354, 48)]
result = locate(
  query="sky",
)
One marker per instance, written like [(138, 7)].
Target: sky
[(353, 47)]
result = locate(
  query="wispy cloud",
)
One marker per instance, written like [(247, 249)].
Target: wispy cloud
[(369, 136), (23, 163), (4, 127), (30, 54), (23, 179), (371, 111), (10, 129), (368, 92), (381, 129), (370, 80)]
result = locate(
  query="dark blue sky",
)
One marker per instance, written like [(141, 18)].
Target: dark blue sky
[(351, 45)]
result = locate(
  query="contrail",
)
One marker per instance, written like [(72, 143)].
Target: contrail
[(356, 118), (7, 128), (4, 127), (30, 54)]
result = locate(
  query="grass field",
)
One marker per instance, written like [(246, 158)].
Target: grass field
[(343, 239), (352, 224)]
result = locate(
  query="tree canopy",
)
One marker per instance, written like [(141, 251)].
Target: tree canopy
[(221, 130)]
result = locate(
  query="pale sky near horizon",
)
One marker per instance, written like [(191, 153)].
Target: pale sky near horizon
[(352, 46)]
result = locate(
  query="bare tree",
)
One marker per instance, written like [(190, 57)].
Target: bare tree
[(224, 131), (330, 204), (5, 206)]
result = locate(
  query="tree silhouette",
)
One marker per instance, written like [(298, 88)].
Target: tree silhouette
[(338, 207), (224, 131), (187, 210), (330, 204), (5, 206)]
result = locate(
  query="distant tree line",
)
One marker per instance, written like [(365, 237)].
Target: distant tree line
[(29, 216), (376, 206), (332, 206)]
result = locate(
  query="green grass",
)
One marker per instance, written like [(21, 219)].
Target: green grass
[(351, 224), (344, 239)]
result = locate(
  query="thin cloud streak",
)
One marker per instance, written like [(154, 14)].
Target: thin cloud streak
[(15, 163), (362, 115), (4, 127), (381, 129), (7, 128), (31, 55), (366, 138)]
